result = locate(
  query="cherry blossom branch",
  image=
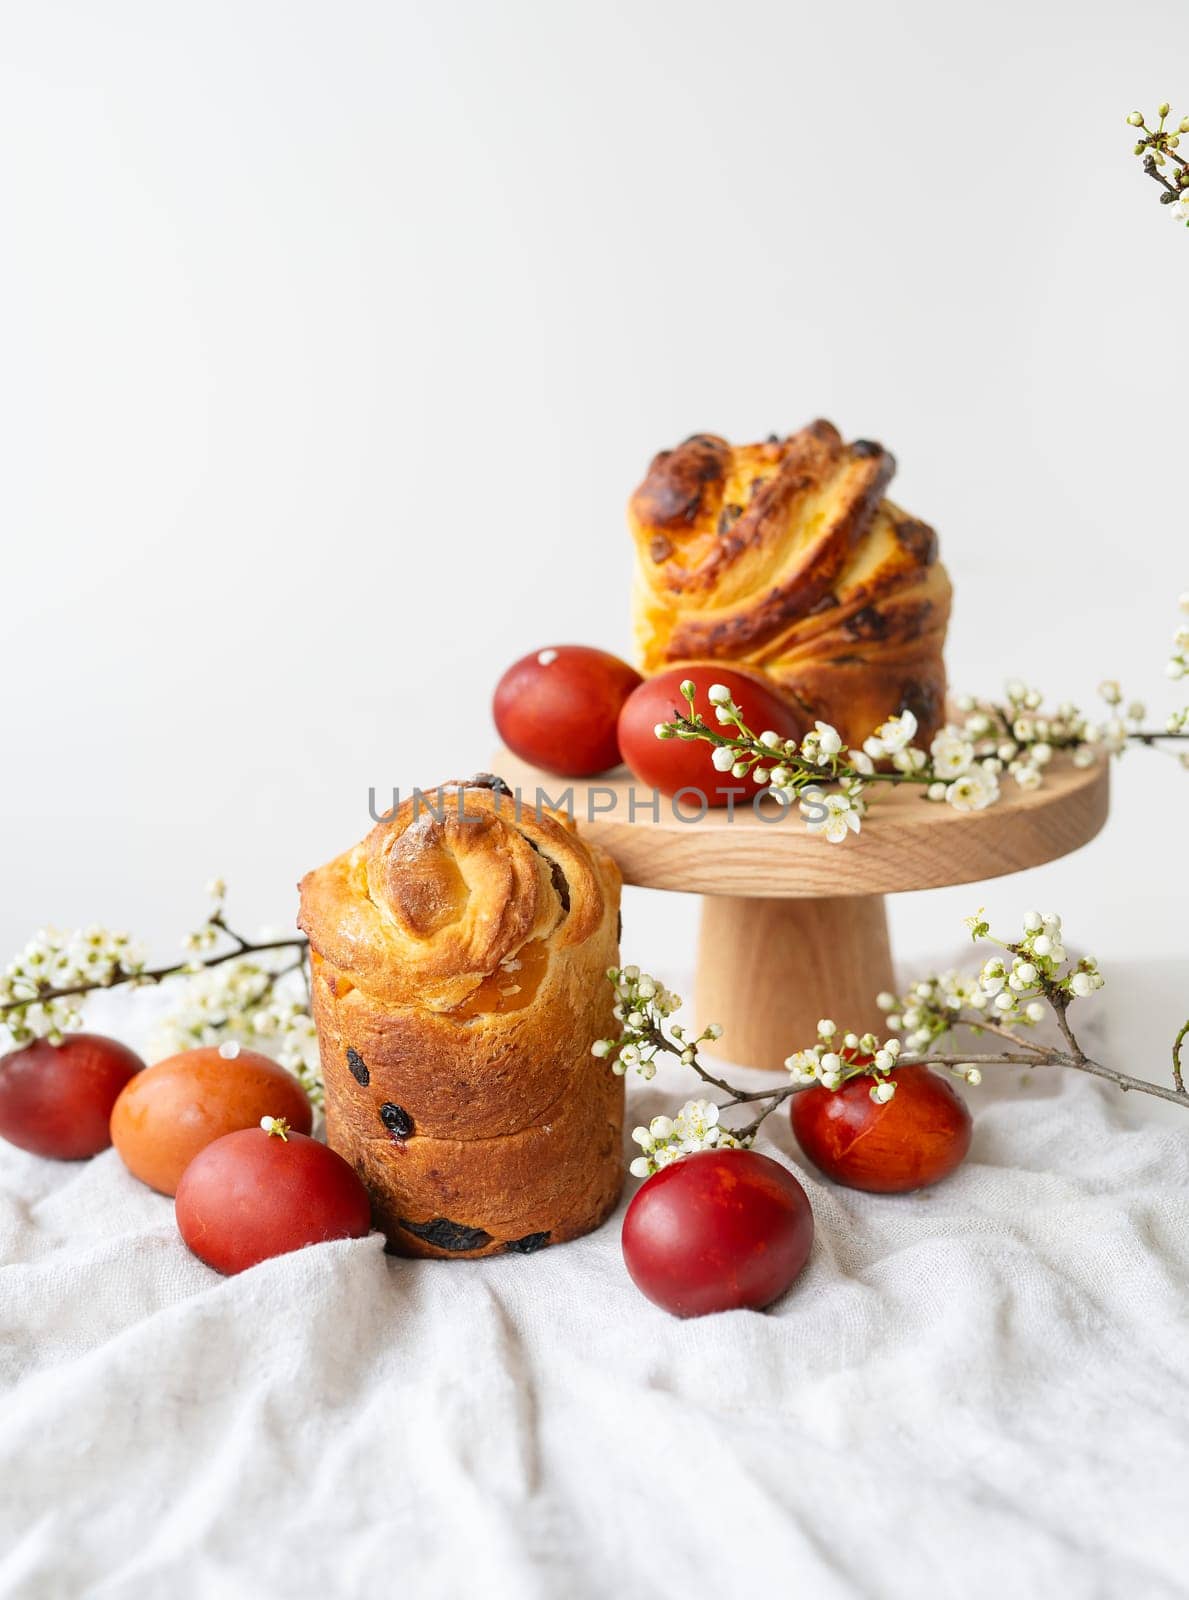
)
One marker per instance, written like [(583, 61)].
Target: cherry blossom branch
[(1037, 979), (1157, 149), (46, 993), (41, 985)]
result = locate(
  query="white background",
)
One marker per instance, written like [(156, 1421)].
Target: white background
[(334, 338)]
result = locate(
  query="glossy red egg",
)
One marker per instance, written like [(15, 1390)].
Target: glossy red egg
[(56, 1099), (916, 1138), (558, 708), (672, 765), (252, 1195), (718, 1231)]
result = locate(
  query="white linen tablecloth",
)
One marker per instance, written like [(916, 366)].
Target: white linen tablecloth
[(980, 1390)]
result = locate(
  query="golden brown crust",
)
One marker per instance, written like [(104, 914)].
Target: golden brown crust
[(786, 557), (459, 956)]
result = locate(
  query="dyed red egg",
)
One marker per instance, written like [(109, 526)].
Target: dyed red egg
[(672, 765), (252, 1195), (718, 1231), (558, 708), (914, 1139), (56, 1099)]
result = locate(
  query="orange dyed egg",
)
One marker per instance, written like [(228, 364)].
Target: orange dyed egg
[(171, 1111)]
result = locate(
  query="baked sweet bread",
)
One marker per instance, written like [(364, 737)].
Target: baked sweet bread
[(786, 558), (459, 956)]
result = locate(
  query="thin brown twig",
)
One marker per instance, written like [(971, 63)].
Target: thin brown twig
[(244, 947), (986, 1026), (1026, 1054)]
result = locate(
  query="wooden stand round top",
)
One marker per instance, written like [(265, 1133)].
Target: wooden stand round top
[(907, 842), (794, 928)]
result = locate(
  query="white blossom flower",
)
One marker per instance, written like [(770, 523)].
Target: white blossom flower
[(841, 814), (952, 754), (973, 791), (1026, 775), (666, 1139), (723, 758), (803, 1066), (718, 694), (897, 733)]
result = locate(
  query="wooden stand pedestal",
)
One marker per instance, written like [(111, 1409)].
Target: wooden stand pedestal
[(768, 969)]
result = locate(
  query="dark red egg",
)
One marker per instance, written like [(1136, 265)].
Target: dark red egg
[(912, 1140), (56, 1099), (252, 1195), (558, 708), (672, 765), (718, 1231)]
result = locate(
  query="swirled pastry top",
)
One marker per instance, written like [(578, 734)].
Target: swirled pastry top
[(739, 544), (449, 888)]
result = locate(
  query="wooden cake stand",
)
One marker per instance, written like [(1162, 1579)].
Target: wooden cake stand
[(794, 928)]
